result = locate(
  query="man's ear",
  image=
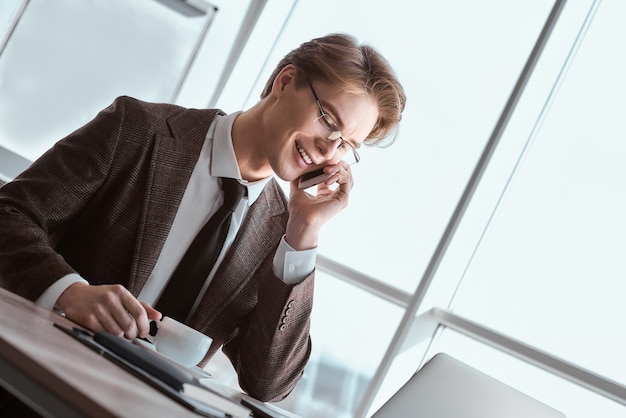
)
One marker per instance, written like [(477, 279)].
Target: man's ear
[(285, 78)]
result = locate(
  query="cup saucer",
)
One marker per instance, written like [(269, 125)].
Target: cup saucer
[(197, 372)]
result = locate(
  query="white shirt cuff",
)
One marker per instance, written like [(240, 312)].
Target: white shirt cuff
[(48, 299), (292, 266)]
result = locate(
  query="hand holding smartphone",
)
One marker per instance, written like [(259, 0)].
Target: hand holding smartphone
[(313, 178)]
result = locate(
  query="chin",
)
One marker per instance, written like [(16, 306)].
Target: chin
[(287, 175)]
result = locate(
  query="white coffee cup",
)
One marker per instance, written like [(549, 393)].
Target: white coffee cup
[(178, 341)]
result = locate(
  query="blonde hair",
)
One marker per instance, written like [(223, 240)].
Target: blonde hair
[(355, 68)]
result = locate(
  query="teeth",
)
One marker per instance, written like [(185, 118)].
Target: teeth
[(305, 156)]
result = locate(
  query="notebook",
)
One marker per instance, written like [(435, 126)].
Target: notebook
[(172, 380), (447, 388)]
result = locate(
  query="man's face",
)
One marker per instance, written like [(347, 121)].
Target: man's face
[(297, 146)]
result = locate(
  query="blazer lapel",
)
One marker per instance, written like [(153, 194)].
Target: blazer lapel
[(257, 239), (173, 159)]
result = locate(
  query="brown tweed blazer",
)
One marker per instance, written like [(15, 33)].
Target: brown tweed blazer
[(101, 203)]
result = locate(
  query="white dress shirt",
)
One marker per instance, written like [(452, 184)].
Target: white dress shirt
[(202, 198)]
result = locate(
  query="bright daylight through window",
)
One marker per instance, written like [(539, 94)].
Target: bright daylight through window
[(538, 253)]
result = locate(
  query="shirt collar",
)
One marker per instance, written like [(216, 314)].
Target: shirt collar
[(223, 159)]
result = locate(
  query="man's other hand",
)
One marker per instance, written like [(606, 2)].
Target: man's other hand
[(110, 308)]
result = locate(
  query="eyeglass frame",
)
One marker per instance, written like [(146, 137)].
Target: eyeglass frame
[(357, 157)]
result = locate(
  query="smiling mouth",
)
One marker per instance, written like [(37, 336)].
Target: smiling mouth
[(304, 155)]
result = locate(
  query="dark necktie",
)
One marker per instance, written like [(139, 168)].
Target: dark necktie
[(186, 282)]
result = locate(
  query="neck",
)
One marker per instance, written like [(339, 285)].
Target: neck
[(248, 135)]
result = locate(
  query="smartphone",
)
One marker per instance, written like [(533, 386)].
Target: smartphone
[(312, 178)]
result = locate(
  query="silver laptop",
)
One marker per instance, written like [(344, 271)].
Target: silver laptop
[(447, 388)]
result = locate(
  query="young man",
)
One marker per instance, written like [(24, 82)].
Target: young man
[(97, 225)]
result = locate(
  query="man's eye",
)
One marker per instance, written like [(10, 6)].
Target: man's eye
[(329, 123)]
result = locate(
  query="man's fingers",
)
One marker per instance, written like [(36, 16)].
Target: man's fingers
[(111, 323), (137, 313), (110, 308), (125, 323), (153, 314)]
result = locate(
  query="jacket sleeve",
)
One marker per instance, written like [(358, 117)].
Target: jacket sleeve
[(271, 350), (42, 199)]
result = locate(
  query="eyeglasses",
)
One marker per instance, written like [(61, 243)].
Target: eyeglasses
[(329, 131)]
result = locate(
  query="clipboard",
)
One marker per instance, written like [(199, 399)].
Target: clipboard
[(147, 366)]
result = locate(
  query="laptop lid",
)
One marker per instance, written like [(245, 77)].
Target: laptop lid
[(447, 388)]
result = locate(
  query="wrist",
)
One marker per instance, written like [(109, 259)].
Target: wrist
[(65, 298), (301, 237)]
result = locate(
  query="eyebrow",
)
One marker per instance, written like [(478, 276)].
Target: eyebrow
[(333, 111), (325, 105)]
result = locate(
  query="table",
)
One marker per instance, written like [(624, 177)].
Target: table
[(59, 377)]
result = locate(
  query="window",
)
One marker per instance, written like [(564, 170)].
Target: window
[(538, 252), (66, 61)]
